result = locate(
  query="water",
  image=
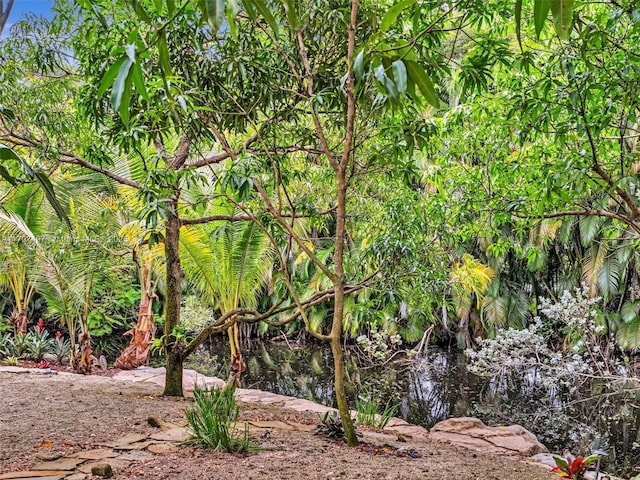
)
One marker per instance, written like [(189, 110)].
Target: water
[(440, 387)]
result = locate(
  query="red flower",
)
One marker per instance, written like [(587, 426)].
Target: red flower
[(58, 336), (577, 464), (40, 325)]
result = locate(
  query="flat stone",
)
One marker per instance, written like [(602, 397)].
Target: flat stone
[(272, 424), (472, 433), (114, 462), (171, 435), (47, 477), (76, 476), (134, 446), (97, 454), (61, 464), (48, 457), (127, 439), (410, 431), (301, 405), (41, 474), (162, 448), (135, 456)]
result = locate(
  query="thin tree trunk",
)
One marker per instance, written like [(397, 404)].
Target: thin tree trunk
[(5, 11), (173, 350), (338, 313)]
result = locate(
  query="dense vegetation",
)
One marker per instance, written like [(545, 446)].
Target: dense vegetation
[(370, 170)]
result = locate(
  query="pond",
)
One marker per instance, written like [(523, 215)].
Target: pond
[(439, 387)]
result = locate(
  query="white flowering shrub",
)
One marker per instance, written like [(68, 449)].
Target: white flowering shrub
[(527, 352)]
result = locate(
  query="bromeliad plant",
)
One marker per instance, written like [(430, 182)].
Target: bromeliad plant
[(573, 467)]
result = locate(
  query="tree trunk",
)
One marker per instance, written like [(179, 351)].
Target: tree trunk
[(338, 312), (173, 349), (137, 353)]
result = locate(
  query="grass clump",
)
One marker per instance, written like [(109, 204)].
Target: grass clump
[(212, 421), (367, 412)]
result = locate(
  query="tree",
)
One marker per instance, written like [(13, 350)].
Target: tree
[(5, 11)]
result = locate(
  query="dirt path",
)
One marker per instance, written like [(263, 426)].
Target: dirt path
[(41, 415)]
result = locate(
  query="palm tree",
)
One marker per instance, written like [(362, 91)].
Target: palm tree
[(230, 270)]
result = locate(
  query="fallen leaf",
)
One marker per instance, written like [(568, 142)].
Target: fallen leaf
[(46, 443)]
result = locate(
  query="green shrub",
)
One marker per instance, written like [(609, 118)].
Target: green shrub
[(11, 361), (39, 343), (367, 412), (212, 421)]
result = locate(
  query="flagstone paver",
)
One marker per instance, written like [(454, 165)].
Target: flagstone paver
[(42, 474), (172, 435), (60, 464), (134, 456), (96, 454), (76, 476)]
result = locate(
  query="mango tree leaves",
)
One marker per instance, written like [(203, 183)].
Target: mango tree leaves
[(562, 11), (39, 176), (540, 12), (213, 11), (393, 13), (424, 83)]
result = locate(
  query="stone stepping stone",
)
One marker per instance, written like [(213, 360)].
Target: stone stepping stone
[(171, 435), (127, 439), (48, 457), (277, 424), (134, 446), (135, 456), (30, 474), (97, 454), (114, 462), (61, 464), (163, 448)]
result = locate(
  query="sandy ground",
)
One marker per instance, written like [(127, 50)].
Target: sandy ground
[(44, 414)]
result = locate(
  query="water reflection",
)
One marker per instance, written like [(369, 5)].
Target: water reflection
[(440, 387)]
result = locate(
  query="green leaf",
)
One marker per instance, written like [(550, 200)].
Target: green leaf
[(138, 81), (562, 11), (629, 311), (561, 462), (232, 13), (45, 184), (292, 15), (358, 65), (125, 101), (399, 75), (158, 4), (262, 8), (140, 11), (424, 83), (628, 334), (589, 227), (393, 13), (540, 12), (171, 6), (4, 173), (163, 51), (518, 15), (213, 11), (110, 76), (119, 85)]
